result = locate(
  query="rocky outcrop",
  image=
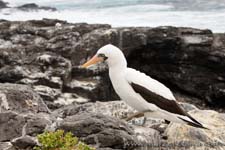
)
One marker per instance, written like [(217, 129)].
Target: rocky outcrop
[(154, 134), (171, 55), (6, 146), (43, 88), (21, 129), (20, 98), (101, 125), (33, 6), (9, 121), (97, 129), (27, 7), (48, 53), (24, 142), (192, 137), (43, 61), (3, 4), (175, 60), (22, 113)]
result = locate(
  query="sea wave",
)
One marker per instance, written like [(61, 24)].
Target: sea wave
[(121, 13)]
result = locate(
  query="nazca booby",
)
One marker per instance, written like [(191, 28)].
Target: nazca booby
[(146, 95)]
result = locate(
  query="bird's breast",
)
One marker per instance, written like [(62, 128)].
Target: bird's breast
[(127, 94)]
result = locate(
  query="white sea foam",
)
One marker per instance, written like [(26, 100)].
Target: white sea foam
[(121, 14)]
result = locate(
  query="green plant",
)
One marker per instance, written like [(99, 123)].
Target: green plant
[(59, 140)]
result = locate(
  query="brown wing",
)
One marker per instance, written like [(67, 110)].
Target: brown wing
[(163, 103), (160, 101)]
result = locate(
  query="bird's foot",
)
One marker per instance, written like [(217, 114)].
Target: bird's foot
[(143, 121), (167, 122), (135, 115)]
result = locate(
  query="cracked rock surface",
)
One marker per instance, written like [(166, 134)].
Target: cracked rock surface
[(42, 87)]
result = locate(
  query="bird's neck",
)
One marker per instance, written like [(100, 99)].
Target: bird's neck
[(117, 66), (116, 71)]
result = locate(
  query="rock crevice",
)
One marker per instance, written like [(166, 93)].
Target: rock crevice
[(40, 73)]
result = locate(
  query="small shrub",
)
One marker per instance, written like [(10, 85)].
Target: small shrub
[(59, 140)]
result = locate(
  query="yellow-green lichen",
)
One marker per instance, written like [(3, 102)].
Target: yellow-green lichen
[(59, 140)]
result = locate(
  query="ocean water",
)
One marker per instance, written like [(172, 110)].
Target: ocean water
[(204, 14)]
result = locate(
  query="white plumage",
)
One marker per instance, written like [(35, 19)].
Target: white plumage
[(153, 85), (140, 91)]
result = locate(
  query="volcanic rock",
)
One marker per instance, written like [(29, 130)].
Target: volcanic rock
[(6, 146), (3, 4), (24, 142), (155, 133), (11, 125), (103, 131), (33, 6), (40, 64), (20, 98)]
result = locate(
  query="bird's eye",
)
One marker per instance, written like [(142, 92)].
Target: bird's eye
[(103, 56)]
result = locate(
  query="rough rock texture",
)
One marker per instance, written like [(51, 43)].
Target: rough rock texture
[(48, 53), (3, 4), (193, 137), (155, 133), (173, 56), (33, 6), (100, 130), (24, 142), (22, 113), (100, 124), (11, 125), (21, 129), (27, 7), (6, 146), (39, 66), (37, 53), (20, 98)]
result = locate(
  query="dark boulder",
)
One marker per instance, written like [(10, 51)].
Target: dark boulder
[(33, 6), (37, 124), (12, 73), (172, 56), (48, 53), (14, 125), (100, 130), (24, 142), (20, 98), (98, 123), (185, 60), (3, 4), (11, 125), (6, 146)]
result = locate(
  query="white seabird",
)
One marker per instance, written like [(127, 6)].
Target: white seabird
[(146, 95)]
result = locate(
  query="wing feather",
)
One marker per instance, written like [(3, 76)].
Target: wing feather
[(155, 93), (134, 76), (161, 102)]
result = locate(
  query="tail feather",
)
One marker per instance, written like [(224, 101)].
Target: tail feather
[(195, 123), (193, 119)]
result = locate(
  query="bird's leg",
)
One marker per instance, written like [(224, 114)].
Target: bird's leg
[(135, 115), (144, 121), (167, 122)]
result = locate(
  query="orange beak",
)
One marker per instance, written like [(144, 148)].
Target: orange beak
[(94, 60)]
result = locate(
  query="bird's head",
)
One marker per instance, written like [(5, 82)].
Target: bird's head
[(111, 54)]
